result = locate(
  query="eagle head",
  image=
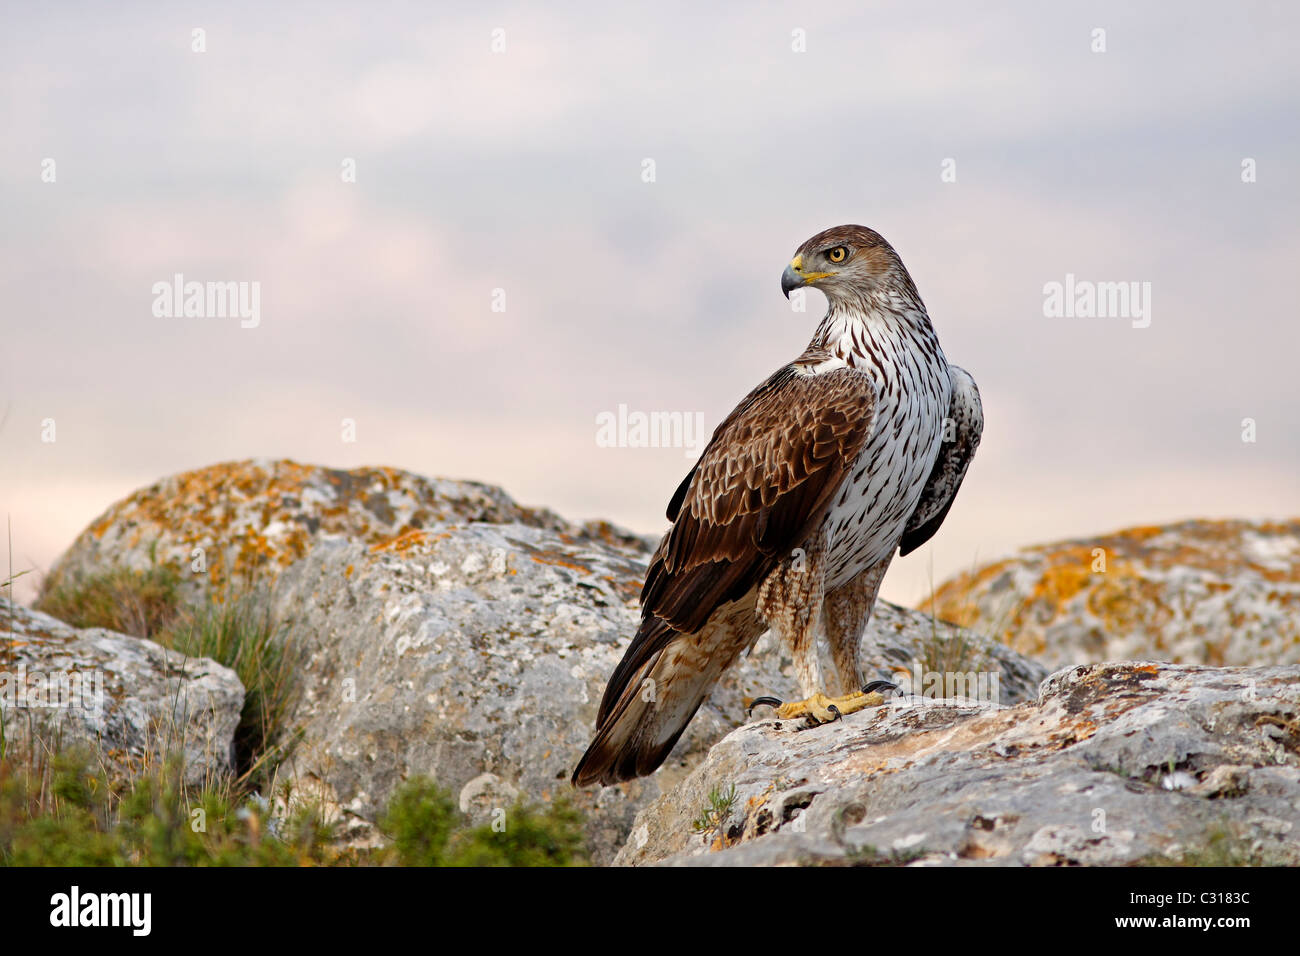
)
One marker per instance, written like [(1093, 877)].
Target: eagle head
[(844, 260)]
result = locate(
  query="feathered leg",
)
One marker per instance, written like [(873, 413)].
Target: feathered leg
[(790, 600), (846, 613)]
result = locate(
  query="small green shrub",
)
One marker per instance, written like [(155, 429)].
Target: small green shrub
[(62, 812), (419, 821), (529, 837), (427, 829)]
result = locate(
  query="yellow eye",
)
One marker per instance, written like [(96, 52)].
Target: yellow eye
[(837, 254)]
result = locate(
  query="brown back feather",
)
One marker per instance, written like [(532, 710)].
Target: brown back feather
[(765, 481)]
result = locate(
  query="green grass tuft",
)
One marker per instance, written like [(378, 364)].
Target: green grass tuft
[(237, 630), (713, 816), (951, 653), (241, 633), (140, 603)]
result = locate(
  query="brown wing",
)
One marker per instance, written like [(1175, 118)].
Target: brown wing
[(764, 482)]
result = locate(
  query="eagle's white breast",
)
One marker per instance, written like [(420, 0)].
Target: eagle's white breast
[(913, 392)]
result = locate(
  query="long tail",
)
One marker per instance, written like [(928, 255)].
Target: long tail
[(651, 697)]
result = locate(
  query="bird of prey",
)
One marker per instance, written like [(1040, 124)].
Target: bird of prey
[(794, 510)]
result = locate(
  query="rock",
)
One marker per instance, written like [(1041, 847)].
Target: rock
[(130, 699), (1114, 764), (448, 631), (475, 654), (483, 650), (249, 520), (936, 659), (1199, 592)]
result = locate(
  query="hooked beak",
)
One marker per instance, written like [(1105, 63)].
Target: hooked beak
[(794, 277), (790, 279)]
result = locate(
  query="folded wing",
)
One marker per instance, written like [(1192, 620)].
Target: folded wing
[(764, 482), (967, 417)]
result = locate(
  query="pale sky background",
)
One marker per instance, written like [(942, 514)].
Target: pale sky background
[(522, 170)]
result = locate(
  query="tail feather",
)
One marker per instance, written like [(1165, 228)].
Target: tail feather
[(646, 706)]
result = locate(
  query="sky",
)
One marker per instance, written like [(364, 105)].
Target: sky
[(476, 230)]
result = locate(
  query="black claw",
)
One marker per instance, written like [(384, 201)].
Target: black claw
[(836, 711), (769, 701), (879, 685)]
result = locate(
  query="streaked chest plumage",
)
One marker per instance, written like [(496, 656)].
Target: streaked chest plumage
[(913, 392)]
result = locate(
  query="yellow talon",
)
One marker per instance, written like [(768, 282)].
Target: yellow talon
[(820, 709)]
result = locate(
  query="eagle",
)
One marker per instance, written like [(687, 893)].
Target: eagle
[(794, 510)]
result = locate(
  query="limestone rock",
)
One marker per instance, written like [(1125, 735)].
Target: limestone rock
[(1199, 592), (249, 520), (483, 650), (130, 699), (1114, 764), (450, 632)]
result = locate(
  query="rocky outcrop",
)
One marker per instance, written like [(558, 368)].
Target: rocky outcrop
[(446, 630), (245, 522), (128, 699), (449, 631), (478, 654), (1199, 592), (1114, 764), (474, 653)]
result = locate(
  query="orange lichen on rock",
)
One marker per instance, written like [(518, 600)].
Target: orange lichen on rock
[(407, 539), (252, 519), (562, 561), (1218, 592)]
